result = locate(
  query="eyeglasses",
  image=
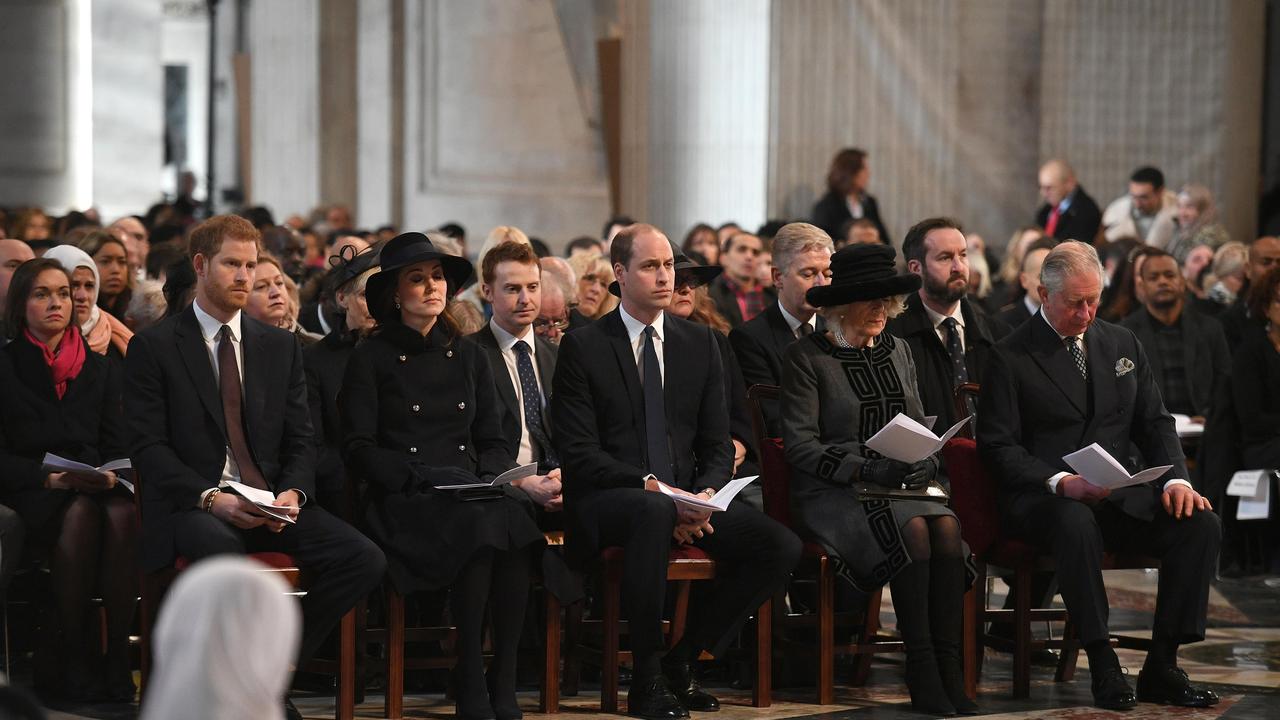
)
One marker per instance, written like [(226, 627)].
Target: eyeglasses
[(544, 324), (688, 281)]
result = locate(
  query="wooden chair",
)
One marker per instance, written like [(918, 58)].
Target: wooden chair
[(973, 498), (815, 562)]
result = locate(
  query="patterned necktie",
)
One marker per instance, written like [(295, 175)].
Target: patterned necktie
[(655, 412), (533, 405), (229, 386), (959, 372), (1073, 346)]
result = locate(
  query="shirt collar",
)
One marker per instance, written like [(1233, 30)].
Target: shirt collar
[(635, 328), (1055, 330), (936, 318), (793, 322), (1066, 201), (211, 326), (1031, 305), (507, 341)]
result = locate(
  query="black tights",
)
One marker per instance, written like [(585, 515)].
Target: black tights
[(96, 548), (932, 537), (499, 580)]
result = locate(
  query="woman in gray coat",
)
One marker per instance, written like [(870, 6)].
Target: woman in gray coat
[(839, 388)]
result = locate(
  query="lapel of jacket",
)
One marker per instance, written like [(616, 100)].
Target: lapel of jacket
[(252, 336), (1101, 354), (674, 345), (779, 331), (616, 333), (1192, 349), (1147, 336), (195, 355), (546, 359), (501, 377), (1049, 352)]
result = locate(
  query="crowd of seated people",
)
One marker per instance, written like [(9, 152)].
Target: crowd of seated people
[(358, 376)]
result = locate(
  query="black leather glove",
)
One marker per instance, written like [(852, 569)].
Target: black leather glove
[(425, 476), (920, 474), (884, 472)]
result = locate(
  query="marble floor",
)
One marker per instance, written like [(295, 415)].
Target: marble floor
[(1240, 659)]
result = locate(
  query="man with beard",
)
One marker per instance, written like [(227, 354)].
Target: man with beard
[(1187, 350), (949, 336)]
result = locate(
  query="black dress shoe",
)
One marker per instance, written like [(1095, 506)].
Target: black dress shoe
[(1111, 691), (290, 711), (652, 699), (684, 684), (1171, 686)]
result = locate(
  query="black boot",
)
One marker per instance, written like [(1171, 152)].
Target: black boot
[(911, 604), (946, 619)]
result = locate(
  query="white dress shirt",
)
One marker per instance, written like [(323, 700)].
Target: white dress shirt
[(936, 318), (635, 334), (507, 346), (794, 323)]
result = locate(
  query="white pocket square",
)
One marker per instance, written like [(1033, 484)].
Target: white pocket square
[(1124, 366)]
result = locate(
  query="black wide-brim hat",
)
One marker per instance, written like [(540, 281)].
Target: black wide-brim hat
[(862, 272), (408, 249), (704, 273)]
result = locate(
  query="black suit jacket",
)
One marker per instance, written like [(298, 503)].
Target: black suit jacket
[(597, 409), (832, 211), (727, 303), (1080, 222), (1036, 408), (933, 363), (1204, 354), (177, 431), (512, 410), (759, 345), (1014, 314)]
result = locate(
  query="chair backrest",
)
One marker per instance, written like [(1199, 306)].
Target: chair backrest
[(775, 480), (973, 495), (965, 398)]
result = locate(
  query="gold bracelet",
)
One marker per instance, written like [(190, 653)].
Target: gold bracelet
[(208, 499)]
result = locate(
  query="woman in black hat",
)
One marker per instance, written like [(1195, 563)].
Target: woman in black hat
[(419, 411), (839, 388)]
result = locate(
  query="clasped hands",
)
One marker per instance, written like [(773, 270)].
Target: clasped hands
[(1179, 500), (691, 523), (235, 510), (545, 490), (897, 475), (88, 483)]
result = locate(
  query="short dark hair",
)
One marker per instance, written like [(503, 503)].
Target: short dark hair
[(770, 228), (1149, 175), (1044, 243), (450, 229), (206, 238), (728, 242), (585, 242), (1261, 293), (615, 220), (1154, 253), (24, 278), (179, 280), (620, 250), (913, 244), (539, 247), (507, 252)]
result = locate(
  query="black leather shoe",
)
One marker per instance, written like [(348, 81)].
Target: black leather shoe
[(1111, 691), (684, 684), (291, 712), (652, 699), (1171, 686)]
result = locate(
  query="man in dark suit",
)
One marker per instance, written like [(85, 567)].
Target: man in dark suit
[(737, 293), (1027, 302), (949, 336), (801, 260), (1063, 381), (1068, 213), (1188, 351), (1237, 323), (213, 396), (639, 405)]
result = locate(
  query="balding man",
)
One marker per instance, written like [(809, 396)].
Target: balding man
[(12, 254), (1060, 382), (1068, 213)]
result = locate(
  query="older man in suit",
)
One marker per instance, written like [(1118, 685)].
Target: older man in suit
[(1068, 212), (1063, 381), (213, 396), (638, 405)]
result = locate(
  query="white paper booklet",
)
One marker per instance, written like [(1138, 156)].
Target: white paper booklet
[(718, 503), (1183, 425), (906, 440), (515, 473), (1099, 468), (263, 500), (1253, 487), (55, 464)]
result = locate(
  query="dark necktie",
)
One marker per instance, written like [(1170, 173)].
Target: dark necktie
[(1073, 346), (959, 373), (655, 413), (533, 404), (804, 329), (229, 384)]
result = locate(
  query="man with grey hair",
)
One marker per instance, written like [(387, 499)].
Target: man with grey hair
[(1060, 382), (801, 260)]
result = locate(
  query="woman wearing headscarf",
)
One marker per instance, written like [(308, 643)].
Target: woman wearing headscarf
[(104, 332), (839, 389), (419, 410), (224, 643), (61, 398), (1196, 223)]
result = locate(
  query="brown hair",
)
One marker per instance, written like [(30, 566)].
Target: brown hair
[(620, 248), (207, 237), (845, 166), (705, 312), (93, 242), (1261, 294), (510, 251), (24, 278)]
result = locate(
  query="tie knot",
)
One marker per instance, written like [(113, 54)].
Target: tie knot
[(649, 332), (950, 323), (225, 333), (522, 347), (1071, 340)]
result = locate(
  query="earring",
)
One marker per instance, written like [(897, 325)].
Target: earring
[(397, 304)]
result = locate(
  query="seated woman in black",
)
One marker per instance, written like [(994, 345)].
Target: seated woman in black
[(419, 410), (62, 398), (1255, 378)]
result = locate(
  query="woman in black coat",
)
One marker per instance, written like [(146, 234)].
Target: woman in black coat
[(847, 198), (61, 398), (420, 410)]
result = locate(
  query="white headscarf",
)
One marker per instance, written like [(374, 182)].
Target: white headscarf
[(224, 643), (71, 257)]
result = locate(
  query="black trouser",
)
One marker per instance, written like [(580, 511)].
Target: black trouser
[(339, 565), (754, 556), (1078, 534)]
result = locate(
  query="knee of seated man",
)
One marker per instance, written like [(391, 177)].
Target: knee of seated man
[(1073, 523), (657, 510), (1204, 524)]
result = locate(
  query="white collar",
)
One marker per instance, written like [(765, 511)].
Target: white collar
[(936, 318), (1055, 330), (793, 322), (1032, 306), (211, 326), (635, 328), (507, 341)]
